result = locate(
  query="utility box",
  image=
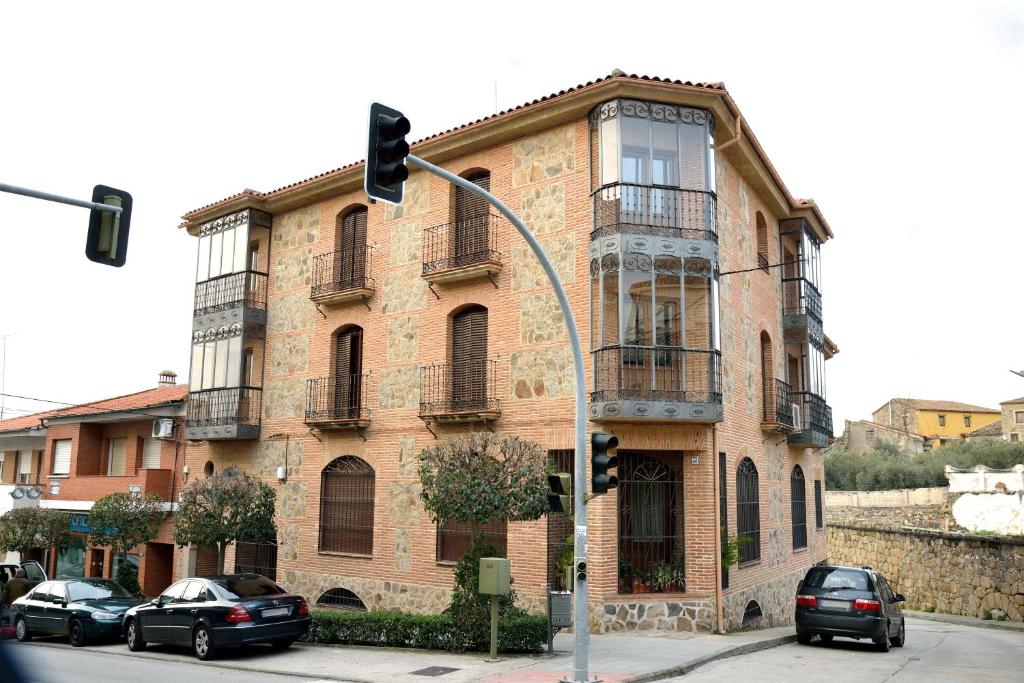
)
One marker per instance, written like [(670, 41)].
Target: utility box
[(560, 609), (495, 576)]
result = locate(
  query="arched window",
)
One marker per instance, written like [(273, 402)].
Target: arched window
[(748, 511), (350, 257), (341, 599), (751, 613), (470, 238), (346, 507), (348, 366), (762, 242), (798, 507), (768, 379), (469, 382)]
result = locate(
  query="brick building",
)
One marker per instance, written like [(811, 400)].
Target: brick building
[(127, 444), (334, 339)]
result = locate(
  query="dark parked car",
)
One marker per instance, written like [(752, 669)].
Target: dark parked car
[(852, 602), (81, 609), (219, 611)]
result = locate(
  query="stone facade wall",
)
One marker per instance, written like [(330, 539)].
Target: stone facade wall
[(1009, 423), (774, 597), (689, 616), (951, 573), (926, 508)]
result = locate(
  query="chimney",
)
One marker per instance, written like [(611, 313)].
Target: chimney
[(168, 378)]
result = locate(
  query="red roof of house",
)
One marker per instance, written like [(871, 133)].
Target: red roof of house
[(150, 398)]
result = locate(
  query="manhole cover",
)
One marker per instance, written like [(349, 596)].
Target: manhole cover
[(434, 671)]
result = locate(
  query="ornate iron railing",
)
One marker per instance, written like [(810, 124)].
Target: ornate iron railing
[(692, 213), (219, 407), (247, 287), (656, 374), (339, 271), (463, 387), (800, 297), (815, 414), (461, 243), (337, 398), (778, 402)]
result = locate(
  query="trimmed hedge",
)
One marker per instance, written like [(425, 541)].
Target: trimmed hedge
[(518, 632)]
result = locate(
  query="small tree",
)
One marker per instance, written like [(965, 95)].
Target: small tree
[(123, 521), (23, 529), (223, 509)]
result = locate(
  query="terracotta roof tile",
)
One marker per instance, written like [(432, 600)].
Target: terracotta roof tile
[(994, 429), (952, 406), (16, 424), (1013, 400), (150, 398)]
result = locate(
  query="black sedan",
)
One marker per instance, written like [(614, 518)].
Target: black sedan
[(81, 609), (852, 602), (219, 611)]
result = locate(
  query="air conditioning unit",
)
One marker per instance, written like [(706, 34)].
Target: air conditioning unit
[(797, 421), (163, 429)]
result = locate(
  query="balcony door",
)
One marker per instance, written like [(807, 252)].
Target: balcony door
[(348, 366), (469, 359), (350, 259), (471, 224)]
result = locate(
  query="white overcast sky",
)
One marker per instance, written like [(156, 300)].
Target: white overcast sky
[(903, 120)]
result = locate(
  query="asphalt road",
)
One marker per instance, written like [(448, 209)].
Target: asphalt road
[(935, 652)]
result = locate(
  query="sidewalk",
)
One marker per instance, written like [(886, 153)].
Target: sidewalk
[(965, 621), (632, 657)]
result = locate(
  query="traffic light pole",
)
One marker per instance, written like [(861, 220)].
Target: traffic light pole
[(39, 194), (581, 617)]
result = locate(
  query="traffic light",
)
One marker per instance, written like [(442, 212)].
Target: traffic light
[(386, 151), (601, 462), (107, 240), (560, 485)]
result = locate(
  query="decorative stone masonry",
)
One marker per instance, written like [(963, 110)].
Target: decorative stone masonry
[(289, 354), (402, 344), (268, 455), (540, 319), (284, 398), (774, 597), (406, 243), (400, 387), (288, 541), (776, 551), (543, 208), (376, 594), (408, 457), (527, 273), (415, 200), (403, 550), (692, 616), (293, 270), (948, 572), (404, 503), (296, 228), (542, 373), (291, 499), (546, 155), (403, 291), (290, 311)]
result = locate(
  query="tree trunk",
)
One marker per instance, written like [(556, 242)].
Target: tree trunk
[(222, 547)]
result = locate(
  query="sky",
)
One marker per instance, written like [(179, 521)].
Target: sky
[(901, 119)]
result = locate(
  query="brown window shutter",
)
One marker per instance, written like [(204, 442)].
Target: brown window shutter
[(471, 224), (348, 351), (351, 268), (469, 358)]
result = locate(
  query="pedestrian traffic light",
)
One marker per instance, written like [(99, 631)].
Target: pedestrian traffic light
[(560, 484), (386, 151), (107, 239), (601, 462)]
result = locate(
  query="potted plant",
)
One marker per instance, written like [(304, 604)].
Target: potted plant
[(640, 582), (666, 577)]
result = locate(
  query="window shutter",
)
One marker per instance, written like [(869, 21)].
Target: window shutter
[(471, 225), (151, 454), (117, 460), (61, 457), (469, 358), (352, 248), (347, 363)]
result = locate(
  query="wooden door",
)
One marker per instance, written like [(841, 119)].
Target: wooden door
[(348, 356), (350, 267), (471, 222), (469, 359)]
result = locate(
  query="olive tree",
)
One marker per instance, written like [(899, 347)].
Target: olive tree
[(223, 509)]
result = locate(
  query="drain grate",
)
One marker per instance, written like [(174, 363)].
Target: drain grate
[(434, 671)]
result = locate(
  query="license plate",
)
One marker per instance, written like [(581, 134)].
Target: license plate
[(276, 612), (834, 604)]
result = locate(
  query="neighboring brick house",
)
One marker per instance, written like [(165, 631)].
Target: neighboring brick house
[(90, 450), (334, 339), (863, 435), (1012, 422), (990, 432), (940, 422)]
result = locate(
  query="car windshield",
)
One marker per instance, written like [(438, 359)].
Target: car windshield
[(830, 577), (248, 586), (95, 590)]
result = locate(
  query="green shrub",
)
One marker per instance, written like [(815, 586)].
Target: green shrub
[(128, 576), (470, 610), (517, 632)]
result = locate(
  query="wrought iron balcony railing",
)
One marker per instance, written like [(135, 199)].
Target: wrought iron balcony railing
[(224, 407), (461, 244), (639, 208), (656, 374), (337, 399), (815, 414), (342, 271), (247, 287), (800, 297), (778, 403), (462, 388)]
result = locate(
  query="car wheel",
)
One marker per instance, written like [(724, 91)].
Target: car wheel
[(202, 644), (803, 638), (76, 633), (134, 637), (901, 637), (21, 630), (281, 644), (825, 638), (883, 643)]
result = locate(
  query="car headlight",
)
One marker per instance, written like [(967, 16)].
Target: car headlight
[(105, 616)]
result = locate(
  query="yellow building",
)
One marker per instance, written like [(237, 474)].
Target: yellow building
[(940, 422)]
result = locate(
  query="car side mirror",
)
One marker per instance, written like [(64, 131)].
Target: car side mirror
[(159, 602), (58, 601), (898, 598)]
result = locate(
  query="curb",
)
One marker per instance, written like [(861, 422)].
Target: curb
[(960, 620), (736, 651)]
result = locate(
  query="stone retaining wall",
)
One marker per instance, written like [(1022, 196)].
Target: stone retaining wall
[(947, 572)]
